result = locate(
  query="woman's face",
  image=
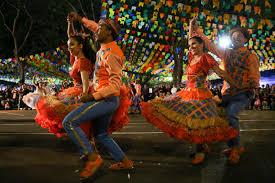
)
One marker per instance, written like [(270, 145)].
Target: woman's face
[(74, 47), (195, 47)]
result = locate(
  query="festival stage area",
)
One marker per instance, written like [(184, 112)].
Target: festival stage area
[(28, 154)]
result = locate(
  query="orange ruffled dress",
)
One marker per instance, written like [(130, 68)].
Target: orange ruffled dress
[(51, 110), (191, 114), (70, 94)]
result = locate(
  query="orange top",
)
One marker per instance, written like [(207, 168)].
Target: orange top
[(81, 64), (240, 64), (108, 67), (196, 86)]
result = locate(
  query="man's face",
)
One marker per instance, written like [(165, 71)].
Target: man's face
[(238, 39), (103, 32)]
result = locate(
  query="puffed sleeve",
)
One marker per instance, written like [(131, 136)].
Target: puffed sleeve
[(208, 63)]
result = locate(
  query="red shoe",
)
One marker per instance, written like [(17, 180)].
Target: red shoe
[(198, 159), (122, 166), (90, 168), (227, 152)]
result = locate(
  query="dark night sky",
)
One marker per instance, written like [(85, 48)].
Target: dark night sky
[(49, 24)]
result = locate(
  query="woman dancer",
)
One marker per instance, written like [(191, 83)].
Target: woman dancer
[(51, 110), (191, 114)]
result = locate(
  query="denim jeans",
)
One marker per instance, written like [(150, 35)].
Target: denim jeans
[(233, 105), (100, 114)]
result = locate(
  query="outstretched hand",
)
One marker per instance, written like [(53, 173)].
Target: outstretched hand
[(69, 19)]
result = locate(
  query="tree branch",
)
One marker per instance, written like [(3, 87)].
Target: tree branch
[(11, 5), (93, 10), (84, 13), (4, 20), (15, 20), (29, 30), (13, 27), (70, 4)]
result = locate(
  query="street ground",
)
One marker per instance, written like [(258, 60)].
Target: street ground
[(29, 154)]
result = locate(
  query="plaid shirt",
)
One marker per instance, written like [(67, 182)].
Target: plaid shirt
[(240, 64)]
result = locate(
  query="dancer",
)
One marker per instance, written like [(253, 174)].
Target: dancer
[(51, 110), (39, 86), (78, 73), (243, 67), (191, 114), (101, 105), (31, 98)]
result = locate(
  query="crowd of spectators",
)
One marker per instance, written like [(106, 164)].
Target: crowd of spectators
[(262, 99), (11, 95)]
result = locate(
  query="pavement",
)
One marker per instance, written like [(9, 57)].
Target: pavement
[(29, 154)]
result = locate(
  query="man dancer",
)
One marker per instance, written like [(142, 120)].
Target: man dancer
[(243, 67), (101, 105)]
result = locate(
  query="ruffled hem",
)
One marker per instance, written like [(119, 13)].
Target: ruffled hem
[(182, 132), (50, 125), (194, 93), (50, 114)]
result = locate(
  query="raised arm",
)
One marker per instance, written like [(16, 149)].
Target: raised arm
[(90, 24), (195, 31), (70, 27)]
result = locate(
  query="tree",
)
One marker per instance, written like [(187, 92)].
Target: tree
[(19, 8), (46, 25)]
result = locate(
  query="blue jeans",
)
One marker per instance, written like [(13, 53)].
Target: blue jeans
[(100, 113), (233, 105)]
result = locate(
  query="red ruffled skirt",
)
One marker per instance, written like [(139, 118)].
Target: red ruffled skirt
[(51, 111), (190, 117)]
